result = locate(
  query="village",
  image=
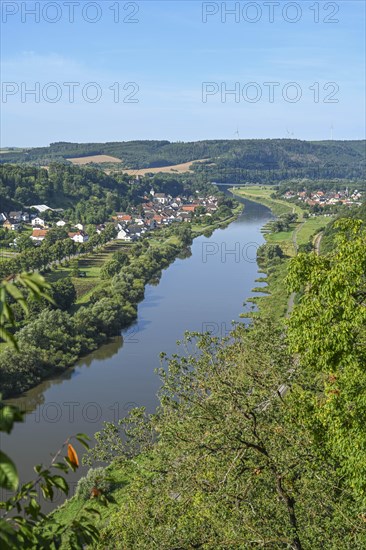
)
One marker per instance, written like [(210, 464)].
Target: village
[(326, 198), (158, 209)]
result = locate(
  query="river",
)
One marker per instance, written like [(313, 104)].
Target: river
[(204, 292)]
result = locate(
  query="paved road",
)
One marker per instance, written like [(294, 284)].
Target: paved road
[(294, 237), (317, 242)]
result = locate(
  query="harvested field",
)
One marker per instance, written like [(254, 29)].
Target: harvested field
[(96, 159), (176, 168)]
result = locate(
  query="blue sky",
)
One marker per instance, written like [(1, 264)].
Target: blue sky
[(168, 54)]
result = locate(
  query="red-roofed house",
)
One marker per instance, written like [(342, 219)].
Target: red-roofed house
[(189, 207), (39, 235)]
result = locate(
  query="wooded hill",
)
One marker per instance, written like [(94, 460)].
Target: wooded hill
[(226, 159)]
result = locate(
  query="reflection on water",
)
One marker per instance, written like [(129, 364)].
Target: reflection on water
[(36, 396), (104, 352), (194, 293)]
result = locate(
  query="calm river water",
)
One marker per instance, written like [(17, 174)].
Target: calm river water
[(204, 292)]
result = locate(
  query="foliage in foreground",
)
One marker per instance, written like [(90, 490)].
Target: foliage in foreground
[(22, 522), (328, 330), (228, 462)]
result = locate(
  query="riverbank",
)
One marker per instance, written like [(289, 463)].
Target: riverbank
[(55, 340), (304, 231), (91, 264), (193, 295)]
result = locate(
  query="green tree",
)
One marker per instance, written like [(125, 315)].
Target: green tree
[(328, 331), (109, 269), (24, 242), (226, 462), (55, 234), (268, 253), (64, 294)]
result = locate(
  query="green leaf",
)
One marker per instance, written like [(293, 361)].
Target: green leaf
[(61, 466), (92, 511), (9, 415), (17, 295), (71, 464), (83, 438), (61, 483), (8, 337), (8, 473)]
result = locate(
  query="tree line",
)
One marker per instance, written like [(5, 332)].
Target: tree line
[(344, 157), (54, 339), (56, 247)]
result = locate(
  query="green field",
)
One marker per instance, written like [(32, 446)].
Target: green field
[(5, 150), (263, 194), (91, 264), (301, 232), (311, 227)]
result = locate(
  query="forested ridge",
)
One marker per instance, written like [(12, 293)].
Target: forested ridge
[(59, 186), (225, 158), (87, 192)]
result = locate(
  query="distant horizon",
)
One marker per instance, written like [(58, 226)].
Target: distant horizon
[(4, 147)]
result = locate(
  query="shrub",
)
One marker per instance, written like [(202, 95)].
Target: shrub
[(96, 482)]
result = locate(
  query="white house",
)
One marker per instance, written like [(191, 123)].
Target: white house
[(38, 221), (61, 223), (79, 226), (161, 198), (123, 235), (79, 237)]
